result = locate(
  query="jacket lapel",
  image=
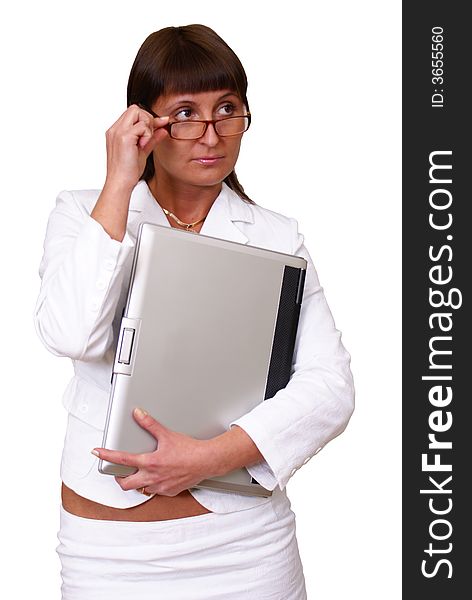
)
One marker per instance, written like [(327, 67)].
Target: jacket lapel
[(227, 210)]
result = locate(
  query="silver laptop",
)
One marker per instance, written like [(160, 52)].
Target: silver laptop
[(207, 333)]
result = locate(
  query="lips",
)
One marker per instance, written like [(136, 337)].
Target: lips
[(208, 160)]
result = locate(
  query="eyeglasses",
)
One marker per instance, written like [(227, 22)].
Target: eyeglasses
[(192, 130)]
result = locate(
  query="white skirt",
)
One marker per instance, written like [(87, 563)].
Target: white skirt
[(249, 554)]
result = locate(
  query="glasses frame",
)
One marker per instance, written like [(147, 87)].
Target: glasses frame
[(168, 127)]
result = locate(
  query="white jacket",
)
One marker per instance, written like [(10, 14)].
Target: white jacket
[(84, 276)]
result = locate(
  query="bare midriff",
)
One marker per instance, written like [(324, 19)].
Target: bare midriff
[(157, 508)]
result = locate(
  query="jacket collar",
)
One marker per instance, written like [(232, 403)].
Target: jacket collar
[(227, 209)]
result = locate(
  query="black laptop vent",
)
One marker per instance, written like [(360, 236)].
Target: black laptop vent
[(285, 330)]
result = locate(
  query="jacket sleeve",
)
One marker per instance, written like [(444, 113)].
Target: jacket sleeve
[(317, 403), (81, 279)]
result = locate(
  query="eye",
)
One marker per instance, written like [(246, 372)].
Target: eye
[(183, 114), (227, 109)]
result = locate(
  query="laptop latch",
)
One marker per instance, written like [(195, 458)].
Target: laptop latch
[(126, 346)]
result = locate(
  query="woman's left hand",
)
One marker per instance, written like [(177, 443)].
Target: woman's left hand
[(179, 462)]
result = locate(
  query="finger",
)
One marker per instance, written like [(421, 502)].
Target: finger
[(150, 143), (126, 483), (129, 116), (147, 422), (143, 132), (150, 112), (146, 132), (134, 114), (141, 127), (119, 458), (160, 121), (135, 481)]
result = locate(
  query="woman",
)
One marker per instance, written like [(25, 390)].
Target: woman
[(151, 535)]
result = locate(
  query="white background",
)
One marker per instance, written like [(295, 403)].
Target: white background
[(324, 147)]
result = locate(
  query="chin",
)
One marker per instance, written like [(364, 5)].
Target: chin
[(212, 183), (209, 179)]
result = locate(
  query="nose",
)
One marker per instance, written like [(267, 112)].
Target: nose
[(210, 137)]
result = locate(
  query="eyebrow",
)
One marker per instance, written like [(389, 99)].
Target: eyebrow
[(185, 100)]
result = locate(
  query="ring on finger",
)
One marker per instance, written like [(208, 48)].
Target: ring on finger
[(142, 490)]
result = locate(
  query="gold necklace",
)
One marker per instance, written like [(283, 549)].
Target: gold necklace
[(187, 226)]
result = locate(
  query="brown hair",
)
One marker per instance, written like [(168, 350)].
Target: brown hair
[(186, 59)]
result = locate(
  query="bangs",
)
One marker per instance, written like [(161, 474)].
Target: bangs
[(192, 72)]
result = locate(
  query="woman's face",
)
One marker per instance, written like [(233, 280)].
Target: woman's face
[(205, 161)]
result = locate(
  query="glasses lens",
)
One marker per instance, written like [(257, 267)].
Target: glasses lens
[(187, 130), (225, 127), (232, 126)]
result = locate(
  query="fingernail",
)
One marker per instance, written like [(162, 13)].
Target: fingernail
[(96, 453), (163, 118), (140, 412)]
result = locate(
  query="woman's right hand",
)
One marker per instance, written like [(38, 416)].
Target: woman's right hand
[(129, 142)]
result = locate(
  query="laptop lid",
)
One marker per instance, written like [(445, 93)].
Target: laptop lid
[(208, 333)]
